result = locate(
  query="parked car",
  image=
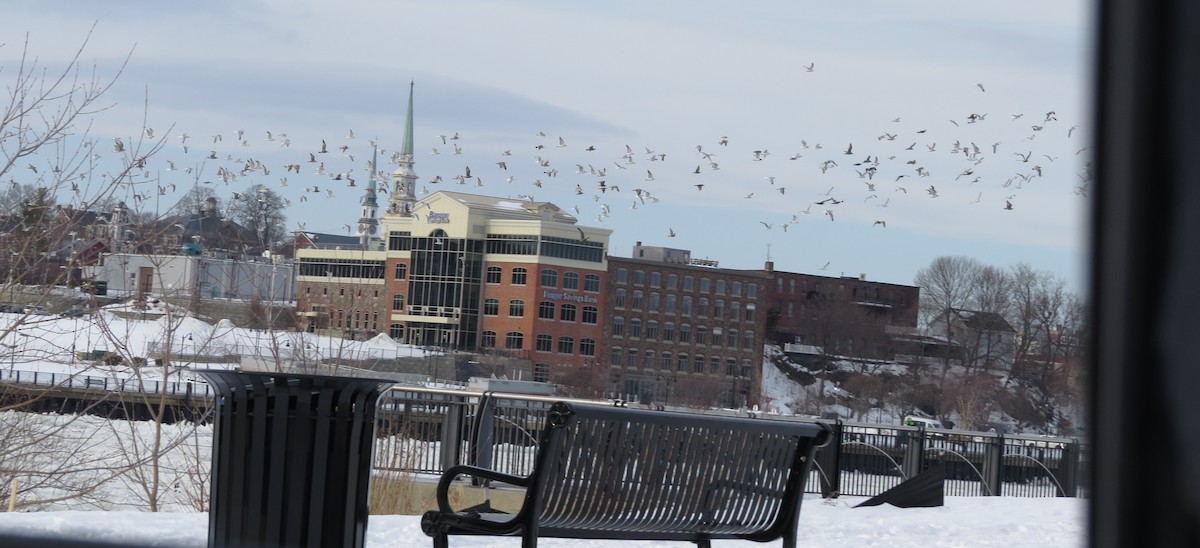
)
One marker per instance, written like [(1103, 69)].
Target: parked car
[(72, 313)]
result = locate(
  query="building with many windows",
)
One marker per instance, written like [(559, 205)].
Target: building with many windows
[(840, 316), (682, 330)]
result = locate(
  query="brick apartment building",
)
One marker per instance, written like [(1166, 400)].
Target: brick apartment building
[(683, 330)]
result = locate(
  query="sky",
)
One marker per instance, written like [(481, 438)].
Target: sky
[(893, 87)]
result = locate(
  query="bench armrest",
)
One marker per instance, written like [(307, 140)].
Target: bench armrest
[(452, 473)]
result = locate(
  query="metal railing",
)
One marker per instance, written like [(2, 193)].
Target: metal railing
[(427, 430)]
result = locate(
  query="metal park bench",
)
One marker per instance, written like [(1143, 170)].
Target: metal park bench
[(614, 473)]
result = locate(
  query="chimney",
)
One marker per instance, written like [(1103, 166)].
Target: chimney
[(862, 276)]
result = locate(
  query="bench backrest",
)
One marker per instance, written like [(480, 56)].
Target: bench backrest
[(613, 469)]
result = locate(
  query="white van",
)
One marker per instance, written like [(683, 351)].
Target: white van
[(929, 424)]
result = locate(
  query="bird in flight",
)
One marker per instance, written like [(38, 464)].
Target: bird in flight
[(809, 67), (824, 266), (880, 223)]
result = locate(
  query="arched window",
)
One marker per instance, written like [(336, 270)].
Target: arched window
[(491, 307), (546, 310), (544, 342), (566, 345), (587, 347), (567, 312), (514, 340), (398, 302), (487, 339), (493, 274), (516, 308)]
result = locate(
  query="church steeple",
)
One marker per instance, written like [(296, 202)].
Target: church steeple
[(368, 225), (404, 180)]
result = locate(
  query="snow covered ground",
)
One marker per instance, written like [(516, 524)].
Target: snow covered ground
[(976, 521), (45, 344)]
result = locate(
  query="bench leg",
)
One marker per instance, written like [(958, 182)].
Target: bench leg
[(703, 543), (441, 540)]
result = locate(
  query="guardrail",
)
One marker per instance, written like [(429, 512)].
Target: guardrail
[(427, 430)]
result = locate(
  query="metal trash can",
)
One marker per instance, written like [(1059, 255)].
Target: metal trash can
[(291, 461)]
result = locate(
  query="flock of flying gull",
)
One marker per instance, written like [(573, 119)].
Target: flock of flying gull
[(900, 162)]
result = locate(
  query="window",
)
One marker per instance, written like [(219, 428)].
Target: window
[(669, 304), (714, 365), (619, 298), (618, 326), (718, 309), (749, 316), (570, 280), (746, 368), (636, 302), (720, 287), (688, 283), (541, 372), (544, 342), (591, 282), (546, 310), (698, 364), (401, 271), (614, 356), (635, 327), (747, 340), (686, 307), (648, 360), (396, 331), (567, 313), (566, 345), (702, 308), (622, 276), (656, 279), (664, 361), (705, 285), (779, 285), (514, 340), (591, 315), (639, 277), (672, 281), (668, 334), (735, 310), (491, 307), (731, 338), (752, 290), (731, 367), (685, 333), (488, 339), (790, 309), (397, 302), (735, 289), (652, 302), (518, 275), (516, 308), (587, 347), (631, 358), (493, 274), (701, 334), (549, 277), (651, 330), (681, 364)]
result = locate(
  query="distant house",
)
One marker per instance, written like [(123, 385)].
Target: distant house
[(982, 340)]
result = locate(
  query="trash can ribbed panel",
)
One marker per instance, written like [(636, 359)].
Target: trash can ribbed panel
[(291, 459)]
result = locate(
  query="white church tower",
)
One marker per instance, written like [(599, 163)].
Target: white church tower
[(403, 198)]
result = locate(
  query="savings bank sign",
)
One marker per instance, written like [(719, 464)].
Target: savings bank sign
[(560, 296)]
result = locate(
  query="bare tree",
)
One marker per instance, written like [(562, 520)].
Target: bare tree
[(260, 210)]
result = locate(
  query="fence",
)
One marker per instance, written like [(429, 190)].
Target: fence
[(424, 431)]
